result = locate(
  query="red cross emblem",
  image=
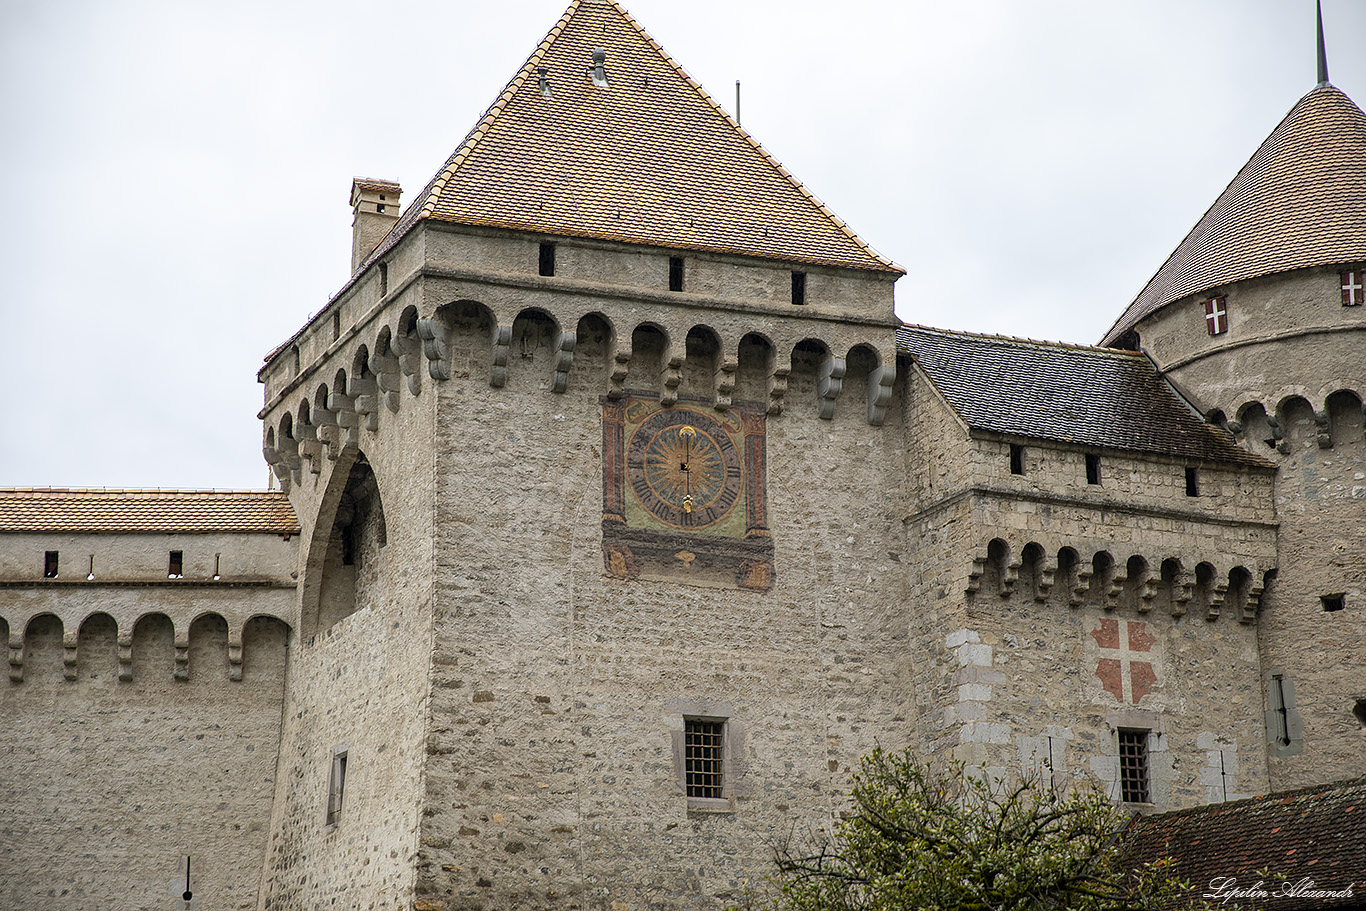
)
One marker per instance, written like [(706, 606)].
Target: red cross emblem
[(1216, 316), (1351, 289), (1123, 674)]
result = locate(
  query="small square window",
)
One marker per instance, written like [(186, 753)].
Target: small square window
[(1092, 468), (1352, 291), (1333, 603), (547, 259), (675, 273), (799, 288), (336, 788), (176, 568), (1192, 482), (1133, 766), (1016, 458), (703, 746), (50, 564)]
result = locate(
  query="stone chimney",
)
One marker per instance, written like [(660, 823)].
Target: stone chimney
[(375, 203)]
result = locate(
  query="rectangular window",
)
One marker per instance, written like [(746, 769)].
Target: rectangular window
[(1133, 766), (1016, 458), (176, 569), (675, 273), (1352, 288), (547, 261), (1192, 482), (49, 564), (799, 288), (703, 745), (1092, 468), (336, 788), (1331, 603)]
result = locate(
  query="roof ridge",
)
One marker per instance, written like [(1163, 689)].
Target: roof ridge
[(1070, 346), (753, 143)]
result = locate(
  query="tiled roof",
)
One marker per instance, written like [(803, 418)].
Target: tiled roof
[(1316, 833), (1300, 201), (58, 509), (651, 159), (1095, 397)]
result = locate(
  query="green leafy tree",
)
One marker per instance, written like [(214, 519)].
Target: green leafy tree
[(947, 840)]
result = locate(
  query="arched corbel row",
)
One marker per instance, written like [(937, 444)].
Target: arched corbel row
[(829, 383)]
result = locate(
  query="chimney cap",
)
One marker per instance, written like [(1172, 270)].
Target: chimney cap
[(360, 185)]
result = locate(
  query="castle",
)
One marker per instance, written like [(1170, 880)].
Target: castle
[(618, 516)]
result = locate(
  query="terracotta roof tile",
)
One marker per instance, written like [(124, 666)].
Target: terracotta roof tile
[(156, 511), (1300, 201), (1316, 833), (1081, 396), (651, 159)]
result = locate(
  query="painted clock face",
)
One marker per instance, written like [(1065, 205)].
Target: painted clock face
[(684, 468)]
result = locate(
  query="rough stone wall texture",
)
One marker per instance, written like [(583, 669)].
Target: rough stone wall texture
[(1289, 377), (559, 692), (108, 783), (358, 677)]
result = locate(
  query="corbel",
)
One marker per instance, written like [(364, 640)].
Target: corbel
[(436, 346), (182, 656), (125, 650), (1325, 429), (1048, 574), (409, 360), (777, 388), (502, 347), (564, 359), (1010, 575), (975, 573), (235, 654), (364, 394), (347, 419), (1215, 608), (724, 382), (880, 381), (621, 368), (670, 377), (16, 655), (829, 382), (1080, 585), (387, 378), (70, 653)]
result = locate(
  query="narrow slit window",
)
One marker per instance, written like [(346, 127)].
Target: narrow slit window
[(49, 564), (336, 325), (1333, 603), (675, 273), (703, 743), (383, 279), (547, 263), (799, 288), (1016, 458), (1092, 468), (176, 567), (1281, 709), (1192, 482), (336, 789), (1133, 766)]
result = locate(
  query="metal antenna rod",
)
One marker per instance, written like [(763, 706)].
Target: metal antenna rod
[(737, 95)]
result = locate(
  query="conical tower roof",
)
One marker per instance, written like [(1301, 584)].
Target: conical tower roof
[(648, 158), (1300, 201)]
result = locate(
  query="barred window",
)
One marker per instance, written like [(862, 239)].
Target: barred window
[(1133, 766), (702, 744)]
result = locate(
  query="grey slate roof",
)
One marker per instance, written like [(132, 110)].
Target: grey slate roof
[(1092, 397), (1300, 201)]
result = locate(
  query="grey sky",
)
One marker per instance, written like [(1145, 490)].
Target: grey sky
[(178, 171)]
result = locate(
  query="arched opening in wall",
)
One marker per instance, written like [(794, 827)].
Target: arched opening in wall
[(98, 656), (1216, 417), (1345, 418), (534, 337), (1102, 575), (1256, 428), (647, 358), (208, 650), (1069, 564), (755, 366), (1239, 590), (43, 652), (592, 348), (1297, 423), (153, 651), (264, 644), (701, 361), (807, 357), (1032, 560), (346, 567), (469, 326), (1135, 579), (1169, 587), (859, 365), (993, 572), (1204, 587)]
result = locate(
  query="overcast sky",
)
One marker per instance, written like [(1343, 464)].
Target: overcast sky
[(178, 172)]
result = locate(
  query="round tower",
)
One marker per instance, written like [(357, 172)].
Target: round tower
[(1259, 319)]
